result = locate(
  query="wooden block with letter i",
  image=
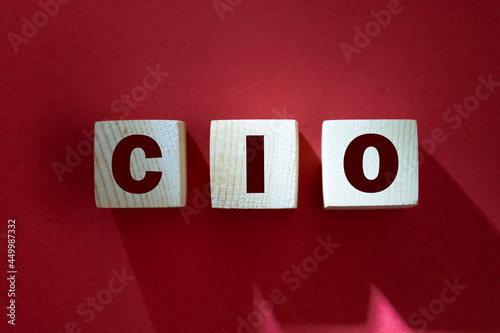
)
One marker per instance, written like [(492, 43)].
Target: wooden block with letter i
[(140, 163), (369, 164), (254, 163)]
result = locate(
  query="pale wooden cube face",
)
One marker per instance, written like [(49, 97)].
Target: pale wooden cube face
[(367, 177), (228, 163), (129, 176)]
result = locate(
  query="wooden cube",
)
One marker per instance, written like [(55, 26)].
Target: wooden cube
[(254, 163), (369, 164), (140, 163)]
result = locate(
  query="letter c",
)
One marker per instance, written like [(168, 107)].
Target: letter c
[(112, 287), (445, 298), (317, 256), (120, 164)]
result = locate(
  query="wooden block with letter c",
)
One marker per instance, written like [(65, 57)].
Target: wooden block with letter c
[(140, 163), (369, 164)]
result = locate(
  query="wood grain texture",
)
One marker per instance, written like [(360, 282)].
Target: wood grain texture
[(171, 138), (338, 193), (228, 160)]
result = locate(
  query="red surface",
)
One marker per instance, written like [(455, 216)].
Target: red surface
[(264, 60)]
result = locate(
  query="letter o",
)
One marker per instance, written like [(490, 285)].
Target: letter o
[(109, 296), (388, 159), (139, 93), (310, 268), (467, 103), (369, 30), (440, 306), (255, 319), (84, 148), (43, 16)]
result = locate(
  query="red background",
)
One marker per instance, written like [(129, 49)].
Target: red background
[(266, 59)]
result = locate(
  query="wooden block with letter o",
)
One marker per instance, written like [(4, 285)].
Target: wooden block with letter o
[(254, 163), (140, 163), (369, 164)]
